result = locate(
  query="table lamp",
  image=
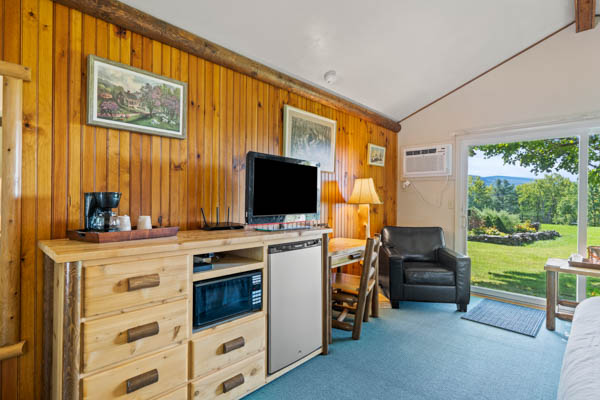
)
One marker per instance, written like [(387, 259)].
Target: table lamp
[(364, 194)]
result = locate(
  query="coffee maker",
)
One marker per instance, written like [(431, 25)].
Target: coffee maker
[(98, 207)]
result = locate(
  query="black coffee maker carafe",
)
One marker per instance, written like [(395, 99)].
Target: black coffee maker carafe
[(98, 211)]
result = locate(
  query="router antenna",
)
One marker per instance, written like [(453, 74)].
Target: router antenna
[(203, 216)]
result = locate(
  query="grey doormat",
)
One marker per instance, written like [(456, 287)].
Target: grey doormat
[(523, 320)]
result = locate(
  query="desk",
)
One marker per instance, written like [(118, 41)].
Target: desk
[(553, 267), (343, 251)]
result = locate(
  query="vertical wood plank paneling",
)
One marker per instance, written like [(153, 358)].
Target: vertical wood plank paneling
[(135, 162), (74, 103), (228, 149), (165, 153), (27, 363), (207, 156), (88, 139), (101, 133), (200, 153), (175, 166), (214, 187), (146, 184), (192, 163), (61, 122), (43, 171), (221, 149), (229, 114), (155, 147), (124, 138), (112, 171), (183, 75)]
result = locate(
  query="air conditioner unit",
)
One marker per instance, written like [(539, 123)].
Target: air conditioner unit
[(427, 161)]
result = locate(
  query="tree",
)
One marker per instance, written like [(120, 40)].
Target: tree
[(594, 205), (552, 199), (504, 197), (480, 195), (547, 156)]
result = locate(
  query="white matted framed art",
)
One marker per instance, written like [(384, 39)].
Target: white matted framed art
[(376, 155), (308, 136)]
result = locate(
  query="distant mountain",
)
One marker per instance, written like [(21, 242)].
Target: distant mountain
[(513, 180)]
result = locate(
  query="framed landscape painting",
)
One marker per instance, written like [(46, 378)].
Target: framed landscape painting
[(308, 136), (376, 155), (128, 98)]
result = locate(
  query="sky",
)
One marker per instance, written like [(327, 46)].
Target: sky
[(478, 165)]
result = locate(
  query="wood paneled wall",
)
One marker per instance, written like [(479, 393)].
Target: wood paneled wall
[(169, 179)]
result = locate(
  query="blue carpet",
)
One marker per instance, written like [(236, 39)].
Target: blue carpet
[(519, 319), (426, 351)]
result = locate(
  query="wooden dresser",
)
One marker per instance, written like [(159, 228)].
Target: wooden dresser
[(118, 318)]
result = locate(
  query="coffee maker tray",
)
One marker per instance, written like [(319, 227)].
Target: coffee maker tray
[(122, 236)]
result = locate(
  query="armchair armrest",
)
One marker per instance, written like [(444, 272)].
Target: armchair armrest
[(461, 265), (391, 274)]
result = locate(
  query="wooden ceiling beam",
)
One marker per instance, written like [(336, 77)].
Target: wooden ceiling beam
[(134, 20), (585, 14)]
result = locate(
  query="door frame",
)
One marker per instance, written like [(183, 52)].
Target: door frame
[(581, 126)]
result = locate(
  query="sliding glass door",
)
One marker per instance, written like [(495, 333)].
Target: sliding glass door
[(522, 210), (524, 195)]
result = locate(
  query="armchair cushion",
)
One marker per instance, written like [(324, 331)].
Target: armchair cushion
[(425, 273), (414, 244)]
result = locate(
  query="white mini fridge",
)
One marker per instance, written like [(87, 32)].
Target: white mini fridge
[(295, 302)]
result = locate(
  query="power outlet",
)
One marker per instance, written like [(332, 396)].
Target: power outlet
[(450, 205)]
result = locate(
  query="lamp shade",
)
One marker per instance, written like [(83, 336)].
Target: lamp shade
[(364, 192)]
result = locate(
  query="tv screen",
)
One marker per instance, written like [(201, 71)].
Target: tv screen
[(279, 188)]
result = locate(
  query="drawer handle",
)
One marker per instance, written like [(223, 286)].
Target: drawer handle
[(143, 380), (143, 282), (232, 383), (233, 344), (356, 256), (142, 331)]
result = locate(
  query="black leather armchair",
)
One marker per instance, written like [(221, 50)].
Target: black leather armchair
[(415, 265)]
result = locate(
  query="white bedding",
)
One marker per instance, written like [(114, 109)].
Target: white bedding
[(580, 374)]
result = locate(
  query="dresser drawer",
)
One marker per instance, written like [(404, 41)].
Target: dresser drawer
[(232, 382), (143, 378), (347, 258), (120, 337), (114, 287), (223, 347)]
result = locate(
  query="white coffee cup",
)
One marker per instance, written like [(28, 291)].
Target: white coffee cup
[(144, 222), (124, 223)]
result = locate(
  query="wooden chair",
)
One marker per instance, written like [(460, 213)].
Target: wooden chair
[(353, 294)]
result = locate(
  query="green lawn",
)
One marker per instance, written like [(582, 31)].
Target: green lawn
[(520, 269)]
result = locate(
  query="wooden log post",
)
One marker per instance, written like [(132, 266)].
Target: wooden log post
[(10, 206)]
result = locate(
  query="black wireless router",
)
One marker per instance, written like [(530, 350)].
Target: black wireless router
[(220, 226)]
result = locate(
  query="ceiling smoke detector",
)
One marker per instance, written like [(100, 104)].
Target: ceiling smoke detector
[(330, 77)]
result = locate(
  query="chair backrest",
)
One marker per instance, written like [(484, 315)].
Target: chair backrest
[(414, 243), (369, 267)]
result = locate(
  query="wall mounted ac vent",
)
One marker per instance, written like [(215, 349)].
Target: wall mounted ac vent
[(427, 161)]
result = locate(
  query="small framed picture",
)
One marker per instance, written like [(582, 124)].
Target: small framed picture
[(376, 155), (308, 136), (128, 98)]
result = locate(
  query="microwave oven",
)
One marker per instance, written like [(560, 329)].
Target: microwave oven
[(228, 297)]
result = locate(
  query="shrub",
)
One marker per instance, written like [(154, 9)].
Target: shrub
[(525, 227), (475, 219), (501, 220), (486, 231)]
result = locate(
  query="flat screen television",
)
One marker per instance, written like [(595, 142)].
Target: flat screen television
[(281, 189)]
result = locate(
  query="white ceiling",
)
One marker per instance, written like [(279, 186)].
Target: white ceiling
[(393, 56)]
